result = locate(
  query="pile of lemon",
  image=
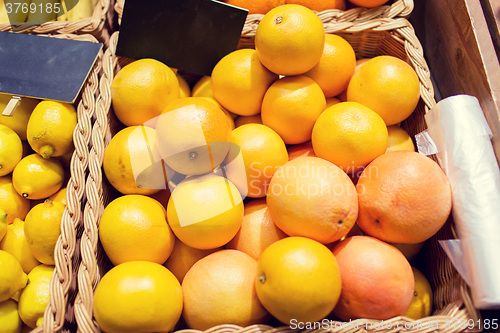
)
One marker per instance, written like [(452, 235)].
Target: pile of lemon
[(36, 145), (200, 235)]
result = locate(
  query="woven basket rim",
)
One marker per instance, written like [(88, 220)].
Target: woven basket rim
[(400, 8), (90, 25), (461, 309), (62, 278)]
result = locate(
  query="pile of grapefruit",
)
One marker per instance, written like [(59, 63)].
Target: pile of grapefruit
[(279, 189)]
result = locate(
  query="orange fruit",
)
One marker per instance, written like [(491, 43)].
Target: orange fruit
[(399, 139), (242, 120), (184, 89), (257, 231), (342, 96), (377, 280), (193, 135), (320, 5), (256, 6), (263, 153), (404, 197), (304, 149), (336, 66), (239, 82), (289, 40), (331, 101), (183, 257), (132, 163), (134, 228), (227, 113), (291, 106), (205, 211), (421, 304), (141, 90), (368, 3), (360, 62), (220, 289), (388, 86), (313, 198), (409, 250), (203, 87), (298, 279), (349, 135)]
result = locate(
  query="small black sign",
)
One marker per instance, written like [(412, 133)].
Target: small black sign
[(190, 35), (44, 67)]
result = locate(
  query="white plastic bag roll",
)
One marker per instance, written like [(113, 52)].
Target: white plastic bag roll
[(460, 136)]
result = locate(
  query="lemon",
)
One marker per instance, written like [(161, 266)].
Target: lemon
[(35, 297), (141, 90), (16, 244), (19, 121), (138, 296), (50, 128), (399, 139), (203, 88), (11, 150), (59, 196), (134, 228), (11, 202), (132, 163), (3, 223), (12, 277), (421, 304), (9, 317), (205, 211), (298, 278), (37, 178), (42, 229), (184, 89), (17, 295)]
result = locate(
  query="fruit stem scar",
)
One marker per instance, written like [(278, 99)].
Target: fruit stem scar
[(25, 195), (279, 19), (377, 221), (262, 278), (193, 155)]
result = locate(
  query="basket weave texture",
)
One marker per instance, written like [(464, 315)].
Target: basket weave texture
[(99, 25), (58, 316), (369, 38)]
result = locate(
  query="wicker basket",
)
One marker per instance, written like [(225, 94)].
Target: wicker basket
[(398, 8), (100, 25), (58, 315), (383, 36)]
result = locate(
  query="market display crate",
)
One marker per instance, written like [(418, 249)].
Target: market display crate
[(397, 8), (369, 38), (58, 316), (99, 25)]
